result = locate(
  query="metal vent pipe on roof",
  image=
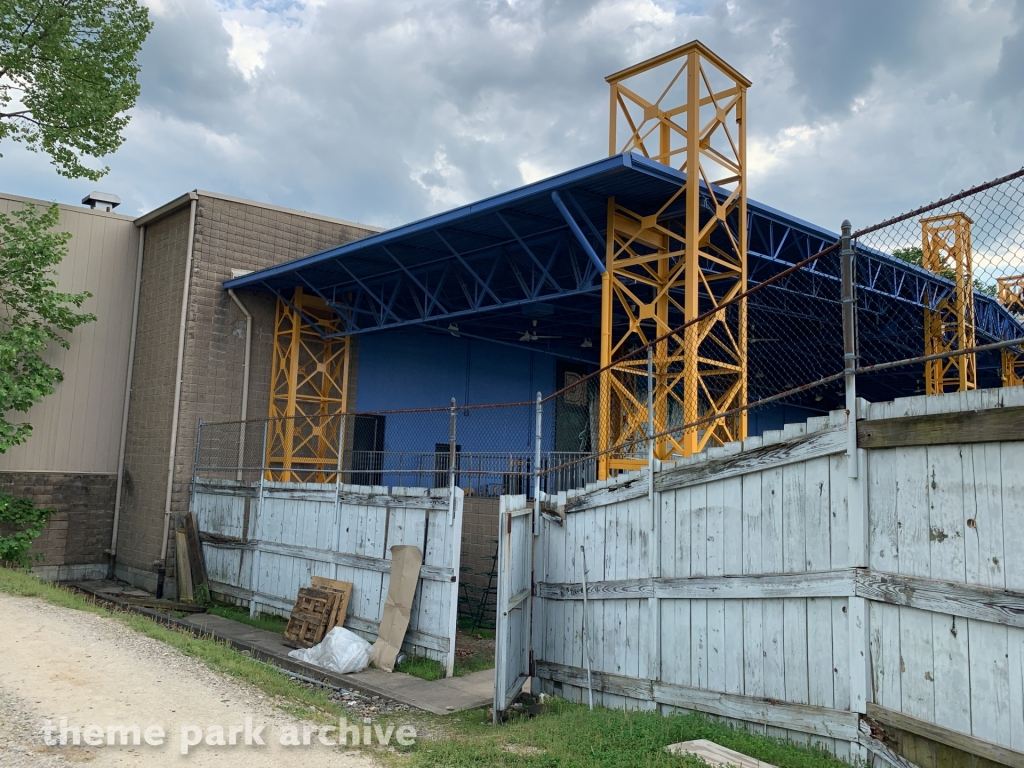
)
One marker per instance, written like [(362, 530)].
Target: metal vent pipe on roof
[(104, 200)]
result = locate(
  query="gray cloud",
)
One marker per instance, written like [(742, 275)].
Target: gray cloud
[(1006, 82), (385, 112), (835, 46), (186, 72)]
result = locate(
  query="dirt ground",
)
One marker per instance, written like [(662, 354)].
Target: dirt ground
[(471, 645), (60, 663)]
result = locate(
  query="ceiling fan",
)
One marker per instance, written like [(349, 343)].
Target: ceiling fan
[(530, 334)]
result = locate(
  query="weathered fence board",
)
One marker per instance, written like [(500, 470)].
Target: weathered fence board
[(748, 564), (263, 542)]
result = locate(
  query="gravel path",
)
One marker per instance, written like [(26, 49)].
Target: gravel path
[(60, 663)]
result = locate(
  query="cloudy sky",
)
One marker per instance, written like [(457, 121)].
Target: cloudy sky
[(382, 112)]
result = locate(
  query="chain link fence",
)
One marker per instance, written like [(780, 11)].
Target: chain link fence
[(938, 298), (487, 450), (956, 321)]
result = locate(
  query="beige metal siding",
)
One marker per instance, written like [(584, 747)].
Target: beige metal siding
[(78, 427)]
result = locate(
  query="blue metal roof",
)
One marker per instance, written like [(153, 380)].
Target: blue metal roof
[(535, 244), (531, 255)]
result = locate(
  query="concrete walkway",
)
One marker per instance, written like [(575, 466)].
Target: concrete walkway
[(442, 697)]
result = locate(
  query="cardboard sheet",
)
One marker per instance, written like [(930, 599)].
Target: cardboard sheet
[(405, 573)]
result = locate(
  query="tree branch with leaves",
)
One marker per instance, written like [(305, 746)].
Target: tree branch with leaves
[(34, 318), (69, 75)]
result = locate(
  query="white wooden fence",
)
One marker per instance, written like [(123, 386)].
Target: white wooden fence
[(762, 583), (263, 542)]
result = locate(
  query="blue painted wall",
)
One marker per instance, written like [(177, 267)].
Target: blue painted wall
[(415, 368), (777, 416)]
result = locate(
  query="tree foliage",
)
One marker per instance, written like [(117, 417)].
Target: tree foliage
[(34, 315), (68, 75), (914, 255), (21, 522)]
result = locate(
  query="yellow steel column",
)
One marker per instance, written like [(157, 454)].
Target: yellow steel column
[(1010, 292), (691, 306), (605, 439), (946, 251), (309, 391), (293, 378), (665, 267)]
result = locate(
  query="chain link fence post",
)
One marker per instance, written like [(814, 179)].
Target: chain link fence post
[(650, 407), (538, 434), (195, 468), (241, 449), (849, 346), (451, 466), (254, 520)]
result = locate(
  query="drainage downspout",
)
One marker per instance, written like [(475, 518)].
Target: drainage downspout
[(161, 568), (127, 399), (245, 379)]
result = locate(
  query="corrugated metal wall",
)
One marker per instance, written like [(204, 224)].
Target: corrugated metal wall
[(78, 428)]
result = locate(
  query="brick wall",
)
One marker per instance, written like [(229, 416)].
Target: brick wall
[(228, 235), (152, 392), (85, 506), (479, 545)]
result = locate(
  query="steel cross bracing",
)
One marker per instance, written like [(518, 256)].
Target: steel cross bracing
[(881, 278), (949, 323), (309, 389), (520, 269), (1010, 291), (461, 283), (684, 109)]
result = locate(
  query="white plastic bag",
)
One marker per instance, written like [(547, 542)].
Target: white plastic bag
[(340, 651)]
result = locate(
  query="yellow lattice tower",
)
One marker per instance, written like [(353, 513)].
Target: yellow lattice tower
[(672, 263), (1011, 295), (309, 385), (946, 251)]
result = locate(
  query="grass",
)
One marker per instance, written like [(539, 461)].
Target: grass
[(564, 735), (429, 669), (265, 621), (421, 666), (568, 735)]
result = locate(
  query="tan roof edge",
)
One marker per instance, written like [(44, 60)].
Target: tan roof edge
[(675, 53), (66, 206), (184, 200), (295, 211), (166, 208)]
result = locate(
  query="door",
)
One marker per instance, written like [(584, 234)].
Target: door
[(368, 450), (515, 584), (572, 409)]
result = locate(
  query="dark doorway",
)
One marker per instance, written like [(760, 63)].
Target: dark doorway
[(368, 450), (572, 408)]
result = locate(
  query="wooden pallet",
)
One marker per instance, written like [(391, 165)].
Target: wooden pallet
[(344, 588), (311, 617)]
